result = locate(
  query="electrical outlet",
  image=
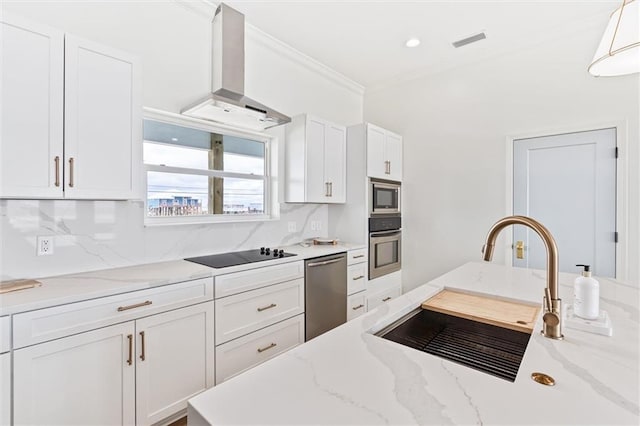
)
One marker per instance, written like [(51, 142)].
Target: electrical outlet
[(316, 225), (291, 227), (44, 245)]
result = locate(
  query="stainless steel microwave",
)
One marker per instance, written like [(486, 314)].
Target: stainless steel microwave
[(384, 197)]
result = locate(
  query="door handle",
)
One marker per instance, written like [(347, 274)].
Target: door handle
[(71, 164), (130, 359), (326, 189), (327, 262), (142, 357), (57, 162), (520, 249)]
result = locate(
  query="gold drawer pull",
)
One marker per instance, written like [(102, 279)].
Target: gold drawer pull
[(137, 305), (130, 359), (266, 348), (358, 256), (386, 298), (360, 306), (264, 308), (359, 277)]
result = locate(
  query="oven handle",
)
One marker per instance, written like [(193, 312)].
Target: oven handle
[(385, 233)]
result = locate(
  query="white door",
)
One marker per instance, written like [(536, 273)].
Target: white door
[(393, 154), (32, 109), (101, 121), (335, 154), (376, 160), (85, 379), (5, 389), (174, 360), (568, 183), (316, 188)]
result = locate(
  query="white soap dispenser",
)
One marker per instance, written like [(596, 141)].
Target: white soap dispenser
[(586, 296)]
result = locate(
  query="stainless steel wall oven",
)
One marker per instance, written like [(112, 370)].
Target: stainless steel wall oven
[(385, 242)]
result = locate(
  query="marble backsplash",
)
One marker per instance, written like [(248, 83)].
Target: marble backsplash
[(92, 235)]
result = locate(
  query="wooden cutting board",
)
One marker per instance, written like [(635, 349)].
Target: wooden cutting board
[(485, 309), (8, 286)]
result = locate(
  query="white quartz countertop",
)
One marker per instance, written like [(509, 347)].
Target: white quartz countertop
[(350, 376), (90, 285)]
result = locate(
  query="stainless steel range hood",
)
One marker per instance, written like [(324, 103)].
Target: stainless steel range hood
[(227, 102)]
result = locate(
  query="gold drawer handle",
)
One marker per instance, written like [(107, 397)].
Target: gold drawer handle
[(358, 256), (359, 277), (137, 305), (355, 308), (266, 348), (386, 298), (264, 308)]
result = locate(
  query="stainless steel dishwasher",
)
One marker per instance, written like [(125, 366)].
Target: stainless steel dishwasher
[(325, 296)]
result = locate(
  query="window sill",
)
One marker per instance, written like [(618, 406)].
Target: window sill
[(207, 220)]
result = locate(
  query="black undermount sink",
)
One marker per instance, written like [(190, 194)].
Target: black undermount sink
[(494, 350)]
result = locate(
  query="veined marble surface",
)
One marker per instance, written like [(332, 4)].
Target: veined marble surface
[(95, 235), (350, 376), (89, 285)]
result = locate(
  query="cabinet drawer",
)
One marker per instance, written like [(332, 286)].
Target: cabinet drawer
[(52, 323), (241, 354), (376, 299), (356, 256), (243, 313), (356, 278), (227, 285), (356, 305), (5, 327)]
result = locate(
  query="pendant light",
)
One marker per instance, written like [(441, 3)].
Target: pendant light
[(619, 49)]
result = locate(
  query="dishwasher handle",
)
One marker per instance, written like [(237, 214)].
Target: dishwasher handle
[(326, 262)]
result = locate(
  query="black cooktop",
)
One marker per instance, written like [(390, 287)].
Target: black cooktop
[(240, 257)]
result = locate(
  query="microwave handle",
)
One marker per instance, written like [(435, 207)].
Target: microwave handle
[(384, 233)]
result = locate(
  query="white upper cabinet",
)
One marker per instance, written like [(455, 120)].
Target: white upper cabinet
[(384, 154), (315, 155), (53, 82), (31, 146)]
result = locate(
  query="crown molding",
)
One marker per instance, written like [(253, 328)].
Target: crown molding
[(207, 8)]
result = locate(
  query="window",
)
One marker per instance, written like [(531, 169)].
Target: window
[(197, 172)]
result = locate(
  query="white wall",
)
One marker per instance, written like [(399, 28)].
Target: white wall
[(455, 126), (173, 40)]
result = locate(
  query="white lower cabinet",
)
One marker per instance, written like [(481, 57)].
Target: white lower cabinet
[(241, 354), (87, 378), (356, 305), (5, 389), (138, 372), (174, 360)]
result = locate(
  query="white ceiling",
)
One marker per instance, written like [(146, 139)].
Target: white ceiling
[(364, 40)]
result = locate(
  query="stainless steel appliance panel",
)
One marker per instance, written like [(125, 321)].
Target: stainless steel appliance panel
[(325, 294), (385, 254), (384, 197)]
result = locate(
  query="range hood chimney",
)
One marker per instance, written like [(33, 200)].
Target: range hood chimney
[(227, 102)]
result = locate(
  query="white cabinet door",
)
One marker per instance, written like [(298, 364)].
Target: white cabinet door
[(393, 154), (376, 160), (316, 184), (335, 155), (174, 360), (32, 110), (102, 121), (5, 389), (78, 380)]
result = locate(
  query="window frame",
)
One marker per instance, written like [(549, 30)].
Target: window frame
[(270, 207)]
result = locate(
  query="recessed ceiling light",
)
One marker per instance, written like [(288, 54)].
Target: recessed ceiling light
[(412, 42)]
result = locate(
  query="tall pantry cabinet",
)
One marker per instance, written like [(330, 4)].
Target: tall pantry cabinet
[(71, 116)]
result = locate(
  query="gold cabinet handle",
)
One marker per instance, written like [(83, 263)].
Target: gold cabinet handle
[(520, 249), (264, 308), (358, 256), (266, 348), (57, 162), (387, 167), (326, 189), (71, 163), (137, 305), (386, 298), (360, 306), (142, 342), (130, 359), (359, 277), (330, 189)]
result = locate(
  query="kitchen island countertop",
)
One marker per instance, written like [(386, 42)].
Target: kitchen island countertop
[(350, 376)]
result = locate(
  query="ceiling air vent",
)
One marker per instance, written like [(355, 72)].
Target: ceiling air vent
[(469, 40)]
